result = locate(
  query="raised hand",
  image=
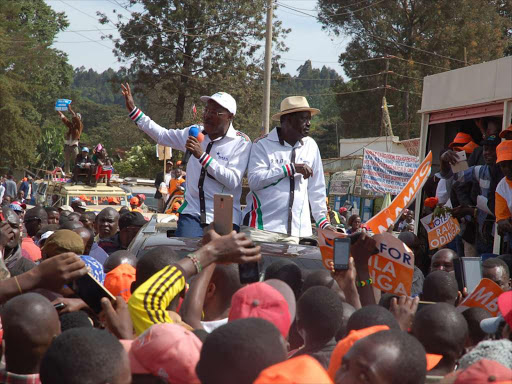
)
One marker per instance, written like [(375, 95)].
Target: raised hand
[(128, 98), (233, 248)]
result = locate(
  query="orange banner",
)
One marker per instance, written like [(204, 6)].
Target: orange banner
[(387, 217), (443, 234), (484, 296), (326, 243), (392, 268)]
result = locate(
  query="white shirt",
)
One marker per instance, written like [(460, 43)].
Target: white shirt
[(225, 165), (269, 173), (2, 191)]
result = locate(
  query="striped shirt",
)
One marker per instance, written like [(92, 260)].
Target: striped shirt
[(148, 304), (270, 172)]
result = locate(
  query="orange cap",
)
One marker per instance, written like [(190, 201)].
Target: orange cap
[(299, 370), (504, 151), (461, 139), (506, 131), (345, 344), (119, 280), (468, 148), (134, 201)]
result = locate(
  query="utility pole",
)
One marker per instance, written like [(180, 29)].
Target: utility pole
[(383, 97), (337, 141), (268, 69)]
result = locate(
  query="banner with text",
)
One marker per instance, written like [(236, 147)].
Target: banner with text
[(440, 230), (387, 172), (484, 296), (392, 268), (387, 217)]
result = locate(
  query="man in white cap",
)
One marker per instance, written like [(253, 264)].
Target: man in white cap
[(286, 176), (217, 163)]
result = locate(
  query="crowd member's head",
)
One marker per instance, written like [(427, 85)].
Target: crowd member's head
[(295, 118), (460, 140), (489, 149), (504, 158), (218, 114), (87, 219), (78, 206), (87, 237), (63, 217), (71, 225), (322, 277), (117, 258), (440, 287), (370, 316), (442, 260), (497, 270), (495, 350), (130, 224), (168, 166), (299, 370), (77, 319), (134, 202), (14, 222), (473, 317), (152, 262), (238, 351), (343, 211), (319, 315), (167, 351), (502, 324), (30, 323), (83, 356), (74, 216), (348, 311), (6, 200), (443, 331), (53, 215), (272, 300), (225, 282), (119, 281), (34, 219), (62, 241), (386, 357), (108, 223), (287, 271), (354, 222)]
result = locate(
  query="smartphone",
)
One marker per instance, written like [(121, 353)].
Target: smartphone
[(59, 306), (462, 164), (91, 291), (468, 272), (341, 253), (223, 213), (249, 272)]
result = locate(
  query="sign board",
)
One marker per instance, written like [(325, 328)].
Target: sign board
[(62, 104), (484, 296), (440, 230), (339, 187), (160, 154), (387, 172), (392, 268), (387, 217), (326, 243)]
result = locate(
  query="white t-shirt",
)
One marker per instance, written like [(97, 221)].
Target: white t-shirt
[(210, 326)]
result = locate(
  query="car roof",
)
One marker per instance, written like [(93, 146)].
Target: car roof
[(99, 190)]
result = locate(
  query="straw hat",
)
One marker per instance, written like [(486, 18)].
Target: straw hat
[(294, 104)]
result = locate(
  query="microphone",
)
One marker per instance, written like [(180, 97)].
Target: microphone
[(196, 132)]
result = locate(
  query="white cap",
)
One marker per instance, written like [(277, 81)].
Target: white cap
[(223, 99), (66, 208)]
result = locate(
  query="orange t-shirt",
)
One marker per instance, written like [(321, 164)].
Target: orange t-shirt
[(33, 251)]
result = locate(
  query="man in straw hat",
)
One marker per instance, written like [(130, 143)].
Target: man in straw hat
[(286, 175), (217, 163)]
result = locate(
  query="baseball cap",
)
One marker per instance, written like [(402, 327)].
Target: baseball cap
[(469, 147), (66, 208), (485, 371), (223, 99), (460, 139), (492, 140), (492, 324), (134, 200), (131, 219), (262, 301), (299, 370), (504, 151), (119, 280), (15, 206), (506, 131), (165, 350), (85, 149), (343, 209)]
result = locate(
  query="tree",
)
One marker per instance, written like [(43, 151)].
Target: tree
[(420, 37), (140, 161), (32, 75), (189, 48)]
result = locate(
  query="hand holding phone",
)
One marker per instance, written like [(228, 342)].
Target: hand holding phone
[(91, 291)]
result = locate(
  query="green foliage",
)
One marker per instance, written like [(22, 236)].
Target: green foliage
[(424, 37), (32, 76), (140, 161), (98, 87), (50, 147)]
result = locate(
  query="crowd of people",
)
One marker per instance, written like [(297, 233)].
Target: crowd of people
[(187, 318)]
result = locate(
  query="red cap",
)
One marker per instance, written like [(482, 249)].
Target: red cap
[(342, 209), (119, 280), (299, 370), (505, 306), (263, 301), (485, 371), (165, 350)]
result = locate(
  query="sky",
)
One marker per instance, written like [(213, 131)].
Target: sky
[(82, 40)]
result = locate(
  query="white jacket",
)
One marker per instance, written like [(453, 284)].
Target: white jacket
[(225, 165), (269, 173)]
